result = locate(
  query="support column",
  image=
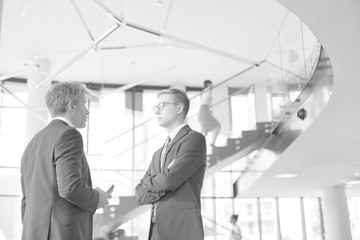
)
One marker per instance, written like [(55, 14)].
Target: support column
[(336, 214), (261, 103), (37, 116)]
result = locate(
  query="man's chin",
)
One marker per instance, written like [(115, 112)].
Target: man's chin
[(160, 122)]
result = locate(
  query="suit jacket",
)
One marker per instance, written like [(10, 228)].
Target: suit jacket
[(58, 199), (176, 189)]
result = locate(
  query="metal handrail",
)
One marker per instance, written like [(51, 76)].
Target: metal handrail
[(222, 226), (161, 132), (215, 86), (193, 97)]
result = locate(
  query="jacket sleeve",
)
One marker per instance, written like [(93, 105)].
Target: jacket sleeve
[(68, 166), (190, 158), (143, 194), (23, 199)]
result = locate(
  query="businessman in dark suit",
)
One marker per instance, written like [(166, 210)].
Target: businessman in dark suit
[(173, 181), (58, 199)]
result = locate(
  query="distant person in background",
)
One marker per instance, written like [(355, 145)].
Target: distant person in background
[(58, 199), (235, 229), (209, 124)]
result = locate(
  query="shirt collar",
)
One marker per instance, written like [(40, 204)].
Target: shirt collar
[(67, 121), (176, 130)]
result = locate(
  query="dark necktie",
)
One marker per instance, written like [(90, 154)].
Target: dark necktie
[(166, 146), (162, 162)]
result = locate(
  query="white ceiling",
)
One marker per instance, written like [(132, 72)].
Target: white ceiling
[(200, 39)]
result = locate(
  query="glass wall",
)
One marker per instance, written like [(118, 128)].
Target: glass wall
[(12, 137), (354, 214), (313, 219), (290, 219), (12, 133), (268, 218), (263, 218)]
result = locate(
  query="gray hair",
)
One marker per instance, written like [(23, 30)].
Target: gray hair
[(59, 95)]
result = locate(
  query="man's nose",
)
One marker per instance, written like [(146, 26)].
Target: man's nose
[(156, 110)]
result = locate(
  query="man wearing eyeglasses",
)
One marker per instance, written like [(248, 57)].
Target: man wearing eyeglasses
[(173, 181)]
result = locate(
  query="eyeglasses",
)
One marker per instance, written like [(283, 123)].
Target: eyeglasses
[(161, 105)]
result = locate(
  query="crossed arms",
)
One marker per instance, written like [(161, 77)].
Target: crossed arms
[(189, 155)]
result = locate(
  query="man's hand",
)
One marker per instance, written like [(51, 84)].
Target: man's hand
[(103, 198)]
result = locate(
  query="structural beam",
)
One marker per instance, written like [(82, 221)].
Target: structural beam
[(118, 19), (31, 110), (83, 20), (137, 82), (16, 73), (79, 55)]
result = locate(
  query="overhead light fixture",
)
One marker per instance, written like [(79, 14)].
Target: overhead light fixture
[(286, 175)]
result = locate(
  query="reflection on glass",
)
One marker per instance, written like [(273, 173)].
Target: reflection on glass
[(223, 212), (313, 219), (12, 133), (268, 219), (223, 184), (354, 212), (138, 227), (245, 118), (208, 214), (192, 119), (248, 217), (290, 219)]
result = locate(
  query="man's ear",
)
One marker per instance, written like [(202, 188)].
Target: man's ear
[(70, 106), (180, 107)]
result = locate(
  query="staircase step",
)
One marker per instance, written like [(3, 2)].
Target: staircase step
[(234, 144), (221, 152), (248, 137)]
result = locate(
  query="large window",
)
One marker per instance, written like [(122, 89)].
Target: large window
[(290, 219), (12, 124), (354, 212)]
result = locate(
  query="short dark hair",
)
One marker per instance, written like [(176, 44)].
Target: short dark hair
[(207, 82), (180, 97), (235, 217)]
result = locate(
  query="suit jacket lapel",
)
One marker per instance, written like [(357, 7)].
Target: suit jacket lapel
[(183, 131), (157, 160)]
